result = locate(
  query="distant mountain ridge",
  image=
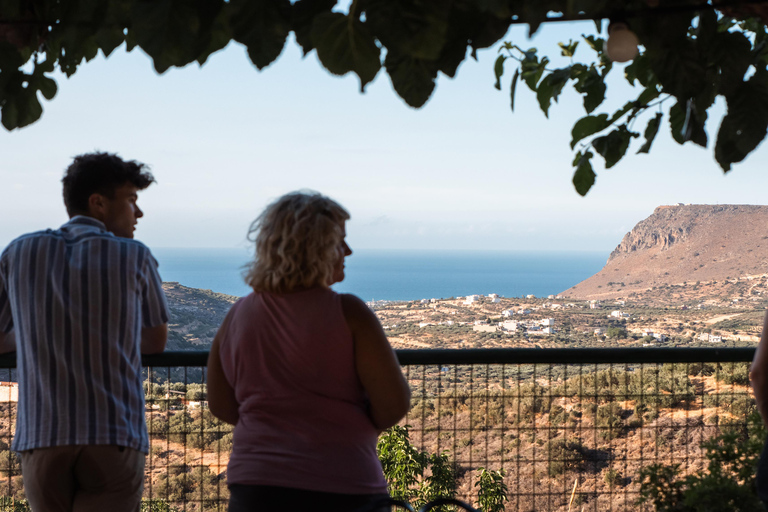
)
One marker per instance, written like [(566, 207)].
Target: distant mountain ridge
[(683, 243)]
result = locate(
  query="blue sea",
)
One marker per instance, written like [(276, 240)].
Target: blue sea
[(402, 274)]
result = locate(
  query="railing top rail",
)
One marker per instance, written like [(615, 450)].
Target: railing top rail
[(630, 355)]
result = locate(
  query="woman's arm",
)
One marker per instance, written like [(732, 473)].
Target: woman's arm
[(758, 373), (221, 395), (377, 365)]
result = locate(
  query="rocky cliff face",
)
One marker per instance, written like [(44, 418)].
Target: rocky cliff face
[(683, 243)]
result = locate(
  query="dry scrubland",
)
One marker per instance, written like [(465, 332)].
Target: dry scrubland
[(548, 427)]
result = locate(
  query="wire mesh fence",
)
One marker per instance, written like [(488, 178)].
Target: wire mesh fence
[(559, 429)]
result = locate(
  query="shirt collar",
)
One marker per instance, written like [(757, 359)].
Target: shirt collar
[(85, 220)]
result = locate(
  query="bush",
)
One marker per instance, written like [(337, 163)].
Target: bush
[(727, 485), (563, 455), (493, 490)]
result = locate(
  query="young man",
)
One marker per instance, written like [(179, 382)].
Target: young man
[(80, 304)]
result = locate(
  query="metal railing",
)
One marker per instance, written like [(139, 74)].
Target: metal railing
[(569, 428)]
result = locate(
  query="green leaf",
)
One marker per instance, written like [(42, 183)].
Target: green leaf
[(613, 147), (587, 126), (174, 32), (303, 13), (453, 54), (744, 126), (414, 29), (344, 44), (568, 50), (592, 85), (47, 86), (680, 70), (732, 53), (594, 42), (413, 79), (584, 176), (686, 124), (640, 70), (650, 133), (21, 109), (513, 88), (550, 87), (531, 69), (498, 70), (262, 26)]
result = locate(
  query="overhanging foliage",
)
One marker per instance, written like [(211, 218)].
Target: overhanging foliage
[(691, 54)]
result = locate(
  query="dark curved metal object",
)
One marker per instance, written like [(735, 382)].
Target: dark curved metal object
[(447, 501)]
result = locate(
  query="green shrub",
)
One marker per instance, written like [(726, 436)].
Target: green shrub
[(563, 455), (493, 491), (726, 486)]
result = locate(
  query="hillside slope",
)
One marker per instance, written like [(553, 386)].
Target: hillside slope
[(683, 243)]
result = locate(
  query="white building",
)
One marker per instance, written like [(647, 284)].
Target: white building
[(507, 313), (485, 328), (509, 325), (547, 322), (548, 330)]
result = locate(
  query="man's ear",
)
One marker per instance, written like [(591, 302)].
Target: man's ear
[(97, 206)]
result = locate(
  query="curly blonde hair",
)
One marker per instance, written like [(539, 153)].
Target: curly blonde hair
[(297, 239)]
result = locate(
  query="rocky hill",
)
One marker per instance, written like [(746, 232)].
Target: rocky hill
[(706, 244), (195, 316)]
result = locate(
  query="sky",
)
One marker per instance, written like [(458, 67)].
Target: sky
[(461, 173)]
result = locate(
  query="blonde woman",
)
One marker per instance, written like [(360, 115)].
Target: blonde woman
[(306, 375)]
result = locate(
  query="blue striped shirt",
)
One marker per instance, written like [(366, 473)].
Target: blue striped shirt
[(77, 299)]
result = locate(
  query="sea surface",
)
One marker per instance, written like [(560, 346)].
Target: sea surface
[(401, 274)]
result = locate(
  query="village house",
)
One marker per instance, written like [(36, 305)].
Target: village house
[(509, 325), (484, 328)]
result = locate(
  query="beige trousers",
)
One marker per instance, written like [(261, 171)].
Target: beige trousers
[(83, 478)]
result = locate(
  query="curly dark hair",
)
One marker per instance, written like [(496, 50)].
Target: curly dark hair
[(100, 173)]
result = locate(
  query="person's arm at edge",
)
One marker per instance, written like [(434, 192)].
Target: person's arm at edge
[(758, 373), (7, 342), (377, 365), (221, 396), (154, 339)]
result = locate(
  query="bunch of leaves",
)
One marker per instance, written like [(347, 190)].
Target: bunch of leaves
[(492, 492), (405, 467), (688, 60), (726, 485), (11, 504), (412, 41), (156, 505)]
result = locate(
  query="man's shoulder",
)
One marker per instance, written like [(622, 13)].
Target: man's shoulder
[(62, 236), (27, 237)]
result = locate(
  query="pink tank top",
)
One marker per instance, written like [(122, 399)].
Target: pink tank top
[(303, 420)]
